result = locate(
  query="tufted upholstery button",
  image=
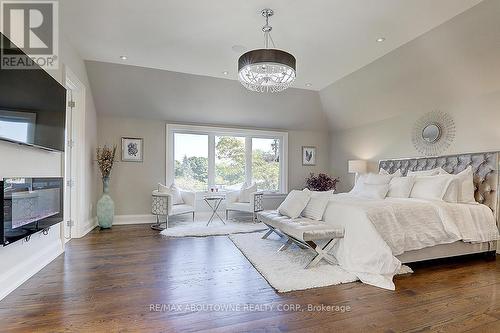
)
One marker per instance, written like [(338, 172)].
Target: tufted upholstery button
[(484, 167)]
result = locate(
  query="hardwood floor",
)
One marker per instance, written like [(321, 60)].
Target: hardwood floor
[(108, 281)]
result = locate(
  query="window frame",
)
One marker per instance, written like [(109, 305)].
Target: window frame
[(212, 132)]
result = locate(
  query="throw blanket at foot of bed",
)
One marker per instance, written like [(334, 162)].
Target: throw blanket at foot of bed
[(378, 230)]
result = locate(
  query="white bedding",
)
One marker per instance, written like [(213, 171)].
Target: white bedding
[(378, 230)]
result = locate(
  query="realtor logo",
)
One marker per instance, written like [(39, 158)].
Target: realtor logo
[(31, 26)]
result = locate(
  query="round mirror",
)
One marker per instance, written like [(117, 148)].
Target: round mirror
[(431, 133)]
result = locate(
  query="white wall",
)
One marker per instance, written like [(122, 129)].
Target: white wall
[(132, 183), (21, 260), (129, 91), (454, 68), (138, 102)]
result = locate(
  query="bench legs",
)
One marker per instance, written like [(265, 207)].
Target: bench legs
[(269, 232), (286, 245), (322, 253)]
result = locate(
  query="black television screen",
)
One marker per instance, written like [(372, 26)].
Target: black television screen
[(32, 105)]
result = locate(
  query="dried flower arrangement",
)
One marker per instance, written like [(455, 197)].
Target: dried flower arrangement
[(105, 159), (321, 182)]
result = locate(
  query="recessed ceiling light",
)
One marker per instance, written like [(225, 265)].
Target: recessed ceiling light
[(380, 39), (225, 72), (308, 84), (123, 57)]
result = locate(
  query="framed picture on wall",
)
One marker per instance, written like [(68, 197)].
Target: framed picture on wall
[(132, 149), (308, 155)]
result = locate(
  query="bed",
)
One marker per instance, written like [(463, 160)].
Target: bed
[(382, 234), (486, 180)]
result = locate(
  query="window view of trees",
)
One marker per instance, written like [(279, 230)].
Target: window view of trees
[(229, 161), (266, 164), (191, 162)]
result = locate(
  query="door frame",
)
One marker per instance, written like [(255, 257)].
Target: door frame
[(71, 81)]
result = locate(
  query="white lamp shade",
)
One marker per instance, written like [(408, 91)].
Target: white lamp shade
[(357, 166)]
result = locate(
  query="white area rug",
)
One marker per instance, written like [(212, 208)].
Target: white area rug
[(182, 226), (284, 270)]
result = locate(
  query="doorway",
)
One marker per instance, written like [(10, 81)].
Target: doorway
[(73, 189)]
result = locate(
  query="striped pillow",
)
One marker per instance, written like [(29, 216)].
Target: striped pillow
[(317, 204)]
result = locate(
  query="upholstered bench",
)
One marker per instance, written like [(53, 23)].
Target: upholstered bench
[(304, 232)]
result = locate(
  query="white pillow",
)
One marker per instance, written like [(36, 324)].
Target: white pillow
[(373, 191), (395, 174), (317, 204), (294, 204), (400, 187), (465, 185), (451, 194), (430, 187), (431, 172), (360, 180), (376, 179), (245, 192), (174, 191)]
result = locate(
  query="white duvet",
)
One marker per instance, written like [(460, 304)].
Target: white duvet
[(378, 230)]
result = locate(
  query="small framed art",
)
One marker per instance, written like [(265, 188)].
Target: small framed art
[(308, 155), (132, 149)]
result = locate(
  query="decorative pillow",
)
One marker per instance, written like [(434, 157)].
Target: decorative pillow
[(317, 204), (465, 181), (360, 180), (245, 192), (398, 173), (430, 187), (294, 204), (373, 191), (400, 187), (451, 194), (431, 172), (377, 179), (174, 191)]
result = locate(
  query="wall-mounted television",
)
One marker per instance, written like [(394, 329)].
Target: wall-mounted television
[(32, 105)]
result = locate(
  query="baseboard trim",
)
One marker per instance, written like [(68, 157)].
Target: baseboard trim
[(134, 219), (91, 224), (27, 269)]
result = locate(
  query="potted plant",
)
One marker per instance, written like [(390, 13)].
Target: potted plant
[(321, 182), (105, 205)]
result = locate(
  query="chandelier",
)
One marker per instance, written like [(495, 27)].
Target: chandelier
[(268, 69)]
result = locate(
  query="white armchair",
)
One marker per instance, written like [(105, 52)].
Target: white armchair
[(255, 205), (162, 206)]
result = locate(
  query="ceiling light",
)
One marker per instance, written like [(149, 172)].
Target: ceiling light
[(225, 72), (380, 39), (266, 70), (308, 84), (123, 57)]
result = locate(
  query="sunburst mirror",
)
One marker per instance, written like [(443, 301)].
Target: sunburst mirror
[(433, 133)]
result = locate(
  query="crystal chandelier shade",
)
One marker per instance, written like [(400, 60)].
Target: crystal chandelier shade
[(266, 70)]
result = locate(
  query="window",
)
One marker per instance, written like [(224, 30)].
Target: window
[(191, 161), (200, 158), (229, 162), (266, 164)]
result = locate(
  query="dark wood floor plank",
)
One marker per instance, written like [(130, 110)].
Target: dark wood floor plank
[(107, 281)]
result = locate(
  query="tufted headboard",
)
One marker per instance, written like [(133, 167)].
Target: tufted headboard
[(484, 167)]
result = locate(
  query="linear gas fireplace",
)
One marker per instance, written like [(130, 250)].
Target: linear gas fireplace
[(30, 205)]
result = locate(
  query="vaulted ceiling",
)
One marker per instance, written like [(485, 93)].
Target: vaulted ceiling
[(330, 38)]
